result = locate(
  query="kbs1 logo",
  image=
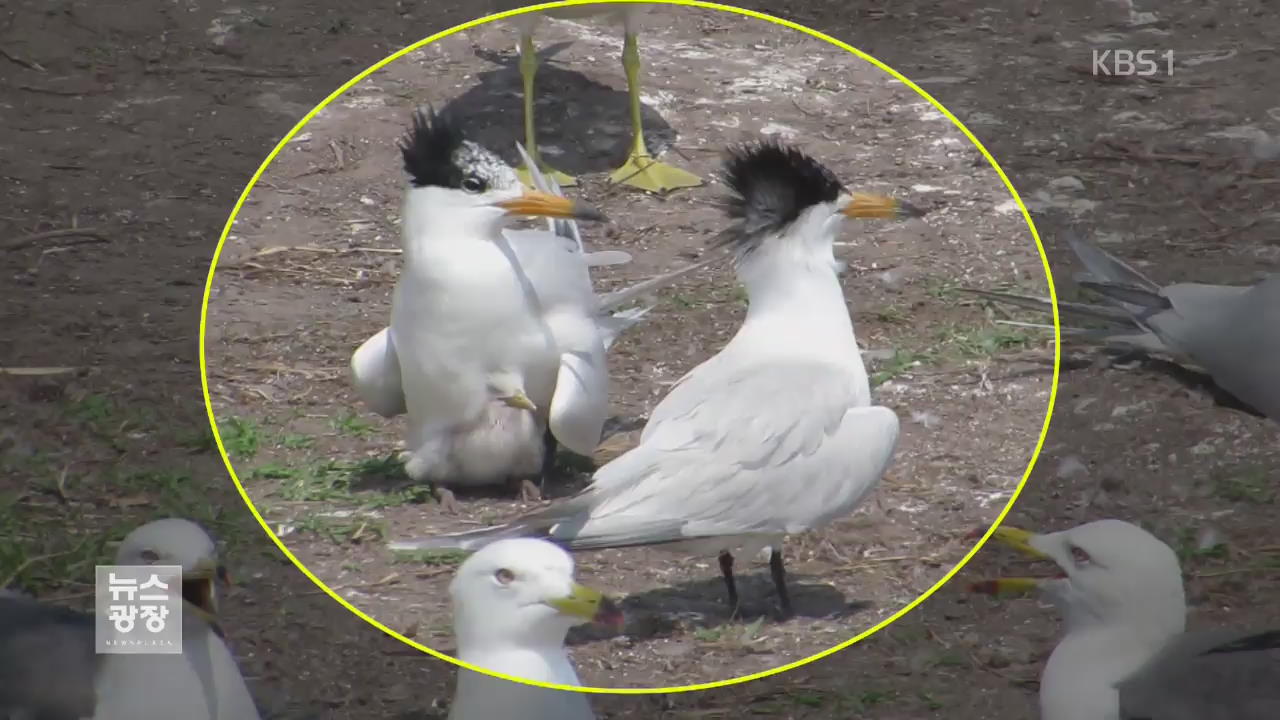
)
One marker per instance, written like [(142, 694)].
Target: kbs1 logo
[(1122, 63), (139, 609)]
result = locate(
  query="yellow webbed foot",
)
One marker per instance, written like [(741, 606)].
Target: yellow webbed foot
[(645, 173)]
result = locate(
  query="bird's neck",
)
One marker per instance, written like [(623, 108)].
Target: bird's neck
[(1078, 682), (425, 234), (796, 305), (541, 661)]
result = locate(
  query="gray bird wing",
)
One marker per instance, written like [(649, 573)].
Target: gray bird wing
[(1231, 331), (47, 661), (1215, 675), (761, 449), (1234, 333)]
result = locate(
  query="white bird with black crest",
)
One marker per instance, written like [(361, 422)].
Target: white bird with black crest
[(772, 436), (496, 348), (50, 670)]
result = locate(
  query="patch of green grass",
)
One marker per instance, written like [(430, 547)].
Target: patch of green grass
[(929, 701), (198, 441), (1251, 486), (681, 302), (901, 361), (708, 635), (273, 471), (434, 558), (352, 424), (93, 409), (342, 531), (871, 698), (327, 480), (296, 441), (892, 315), (240, 437), (984, 342), (941, 290)]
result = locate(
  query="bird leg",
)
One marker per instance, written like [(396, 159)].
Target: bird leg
[(726, 569), (641, 170), (529, 491), (780, 581), (529, 68), (549, 448), (448, 501)]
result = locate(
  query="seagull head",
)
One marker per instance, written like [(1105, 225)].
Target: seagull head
[(521, 593), (787, 206), (459, 189), (174, 541), (1111, 573)]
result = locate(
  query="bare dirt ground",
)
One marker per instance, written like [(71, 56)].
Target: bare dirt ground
[(305, 278), (142, 122)]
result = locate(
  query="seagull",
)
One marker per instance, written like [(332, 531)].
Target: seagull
[(1230, 332), (477, 300), (513, 603), (1125, 654), (772, 436), (49, 669), (640, 170)]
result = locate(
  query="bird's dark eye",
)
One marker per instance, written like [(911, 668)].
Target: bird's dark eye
[(473, 184), (1079, 555), (149, 556), (504, 576)]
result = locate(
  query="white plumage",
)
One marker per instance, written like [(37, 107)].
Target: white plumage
[(772, 436)]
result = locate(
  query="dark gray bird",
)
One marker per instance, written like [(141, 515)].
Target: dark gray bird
[(1229, 332)]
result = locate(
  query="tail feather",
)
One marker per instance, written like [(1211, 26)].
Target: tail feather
[(618, 298), (1104, 267), (468, 541), (612, 326), (1096, 312), (1145, 301)]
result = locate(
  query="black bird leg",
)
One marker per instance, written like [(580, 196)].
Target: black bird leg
[(780, 582), (549, 448), (726, 569)]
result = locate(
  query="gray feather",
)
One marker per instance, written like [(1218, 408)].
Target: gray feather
[(1216, 675), (47, 661)]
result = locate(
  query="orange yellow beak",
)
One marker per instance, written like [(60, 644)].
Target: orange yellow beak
[(862, 205), (534, 203)]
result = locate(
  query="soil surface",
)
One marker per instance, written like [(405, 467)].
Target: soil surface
[(138, 124)]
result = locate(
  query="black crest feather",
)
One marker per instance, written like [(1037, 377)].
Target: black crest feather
[(772, 184), (429, 150)]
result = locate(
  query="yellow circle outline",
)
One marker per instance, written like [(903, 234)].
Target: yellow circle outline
[(213, 422)]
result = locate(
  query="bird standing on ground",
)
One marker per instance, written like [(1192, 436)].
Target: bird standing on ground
[(1124, 654), (772, 436), (513, 603), (490, 324), (1230, 332), (641, 169), (50, 671), (473, 300)]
